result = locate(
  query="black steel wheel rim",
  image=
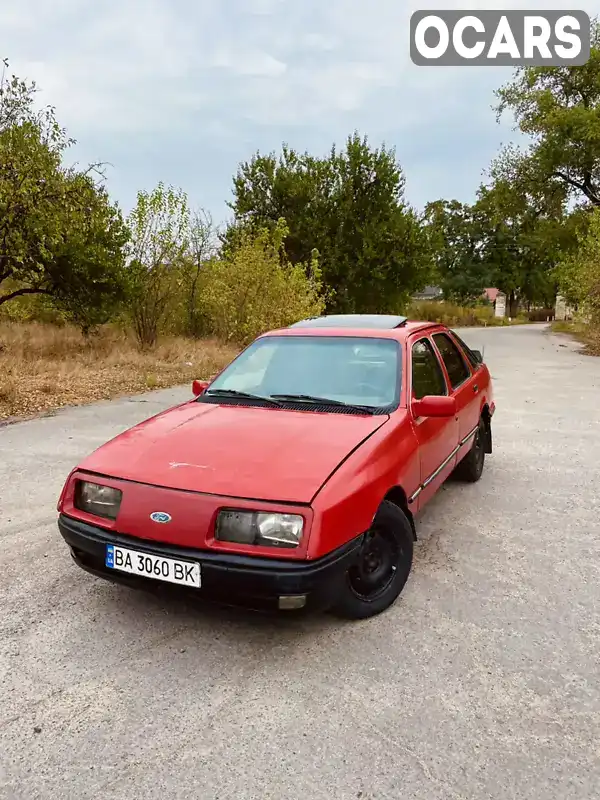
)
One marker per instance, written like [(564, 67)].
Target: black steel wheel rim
[(377, 564)]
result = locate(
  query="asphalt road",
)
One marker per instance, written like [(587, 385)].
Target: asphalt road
[(483, 681)]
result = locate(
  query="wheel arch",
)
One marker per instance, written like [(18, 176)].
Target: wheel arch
[(397, 496)]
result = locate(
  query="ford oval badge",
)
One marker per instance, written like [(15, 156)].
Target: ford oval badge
[(160, 516)]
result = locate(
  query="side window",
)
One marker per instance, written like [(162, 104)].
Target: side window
[(467, 351), (427, 375), (458, 371)]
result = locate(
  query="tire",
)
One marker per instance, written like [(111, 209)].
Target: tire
[(373, 584), (470, 468)]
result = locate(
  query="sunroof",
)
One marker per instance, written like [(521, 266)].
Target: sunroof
[(379, 321)]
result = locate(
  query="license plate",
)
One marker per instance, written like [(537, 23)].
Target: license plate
[(171, 570)]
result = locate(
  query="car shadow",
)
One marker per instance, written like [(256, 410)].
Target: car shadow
[(195, 612)]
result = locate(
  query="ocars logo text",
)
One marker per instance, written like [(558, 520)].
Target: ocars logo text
[(513, 38)]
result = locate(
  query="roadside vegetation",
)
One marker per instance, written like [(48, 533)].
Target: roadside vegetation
[(588, 335), (95, 303), (480, 315), (44, 366)]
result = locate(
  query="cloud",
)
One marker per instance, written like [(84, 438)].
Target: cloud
[(263, 7), (319, 41), (249, 63), (185, 90)]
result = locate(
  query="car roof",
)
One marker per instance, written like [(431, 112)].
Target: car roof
[(363, 325)]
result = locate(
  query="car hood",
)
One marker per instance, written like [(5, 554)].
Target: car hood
[(235, 451)]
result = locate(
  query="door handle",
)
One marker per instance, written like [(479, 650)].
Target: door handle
[(476, 388)]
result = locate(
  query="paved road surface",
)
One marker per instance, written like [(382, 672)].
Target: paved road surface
[(482, 682)]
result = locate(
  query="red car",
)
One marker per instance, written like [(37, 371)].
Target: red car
[(292, 480)]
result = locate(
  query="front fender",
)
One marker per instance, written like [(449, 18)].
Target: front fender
[(345, 506)]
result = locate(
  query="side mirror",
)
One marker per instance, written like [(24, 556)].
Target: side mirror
[(478, 356), (434, 406), (199, 387)]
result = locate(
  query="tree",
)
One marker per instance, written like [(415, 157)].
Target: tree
[(559, 108), (202, 246), (578, 273), (350, 208), (88, 269), (59, 234), (255, 288), (159, 227), (521, 243), (456, 232)]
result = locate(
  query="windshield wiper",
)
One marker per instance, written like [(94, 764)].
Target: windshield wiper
[(246, 395), (325, 401)]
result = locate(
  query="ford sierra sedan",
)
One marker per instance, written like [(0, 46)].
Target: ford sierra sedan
[(292, 480)]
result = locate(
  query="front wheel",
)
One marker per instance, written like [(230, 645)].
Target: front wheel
[(384, 563)]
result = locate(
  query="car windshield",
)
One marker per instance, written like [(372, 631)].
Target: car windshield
[(343, 369)]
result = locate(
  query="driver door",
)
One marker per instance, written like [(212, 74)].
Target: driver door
[(437, 437)]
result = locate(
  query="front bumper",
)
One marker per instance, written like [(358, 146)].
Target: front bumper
[(231, 579)]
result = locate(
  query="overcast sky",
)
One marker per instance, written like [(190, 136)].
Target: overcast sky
[(183, 90)]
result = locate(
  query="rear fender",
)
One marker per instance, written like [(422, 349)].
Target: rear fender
[(486, 416)]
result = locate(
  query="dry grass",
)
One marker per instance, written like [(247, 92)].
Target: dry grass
[(43, 367), (593, 343), (586, 334)]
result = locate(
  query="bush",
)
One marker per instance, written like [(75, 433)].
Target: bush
[(450, 314), (255, 289)]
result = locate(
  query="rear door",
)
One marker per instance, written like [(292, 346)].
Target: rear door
[(463, 383), (437, 437)]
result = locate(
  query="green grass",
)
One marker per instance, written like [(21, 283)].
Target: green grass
[(562, 326)]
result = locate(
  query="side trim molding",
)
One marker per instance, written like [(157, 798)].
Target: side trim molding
[(469, 436), (444, 464)]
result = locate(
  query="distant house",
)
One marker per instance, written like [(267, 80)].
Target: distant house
[(491, 294), (562, 310), (497, 299), (429, 293)]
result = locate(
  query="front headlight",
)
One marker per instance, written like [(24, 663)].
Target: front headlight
[(252, 527), (102, 501)]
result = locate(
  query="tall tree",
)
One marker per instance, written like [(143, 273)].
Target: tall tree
[(350, 208), (159, 226), (59, 233), (456, 234), (202, 246), (521, 243), (559, 109)]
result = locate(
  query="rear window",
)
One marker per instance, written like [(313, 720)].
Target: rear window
[(469, 354), (454, 360)]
